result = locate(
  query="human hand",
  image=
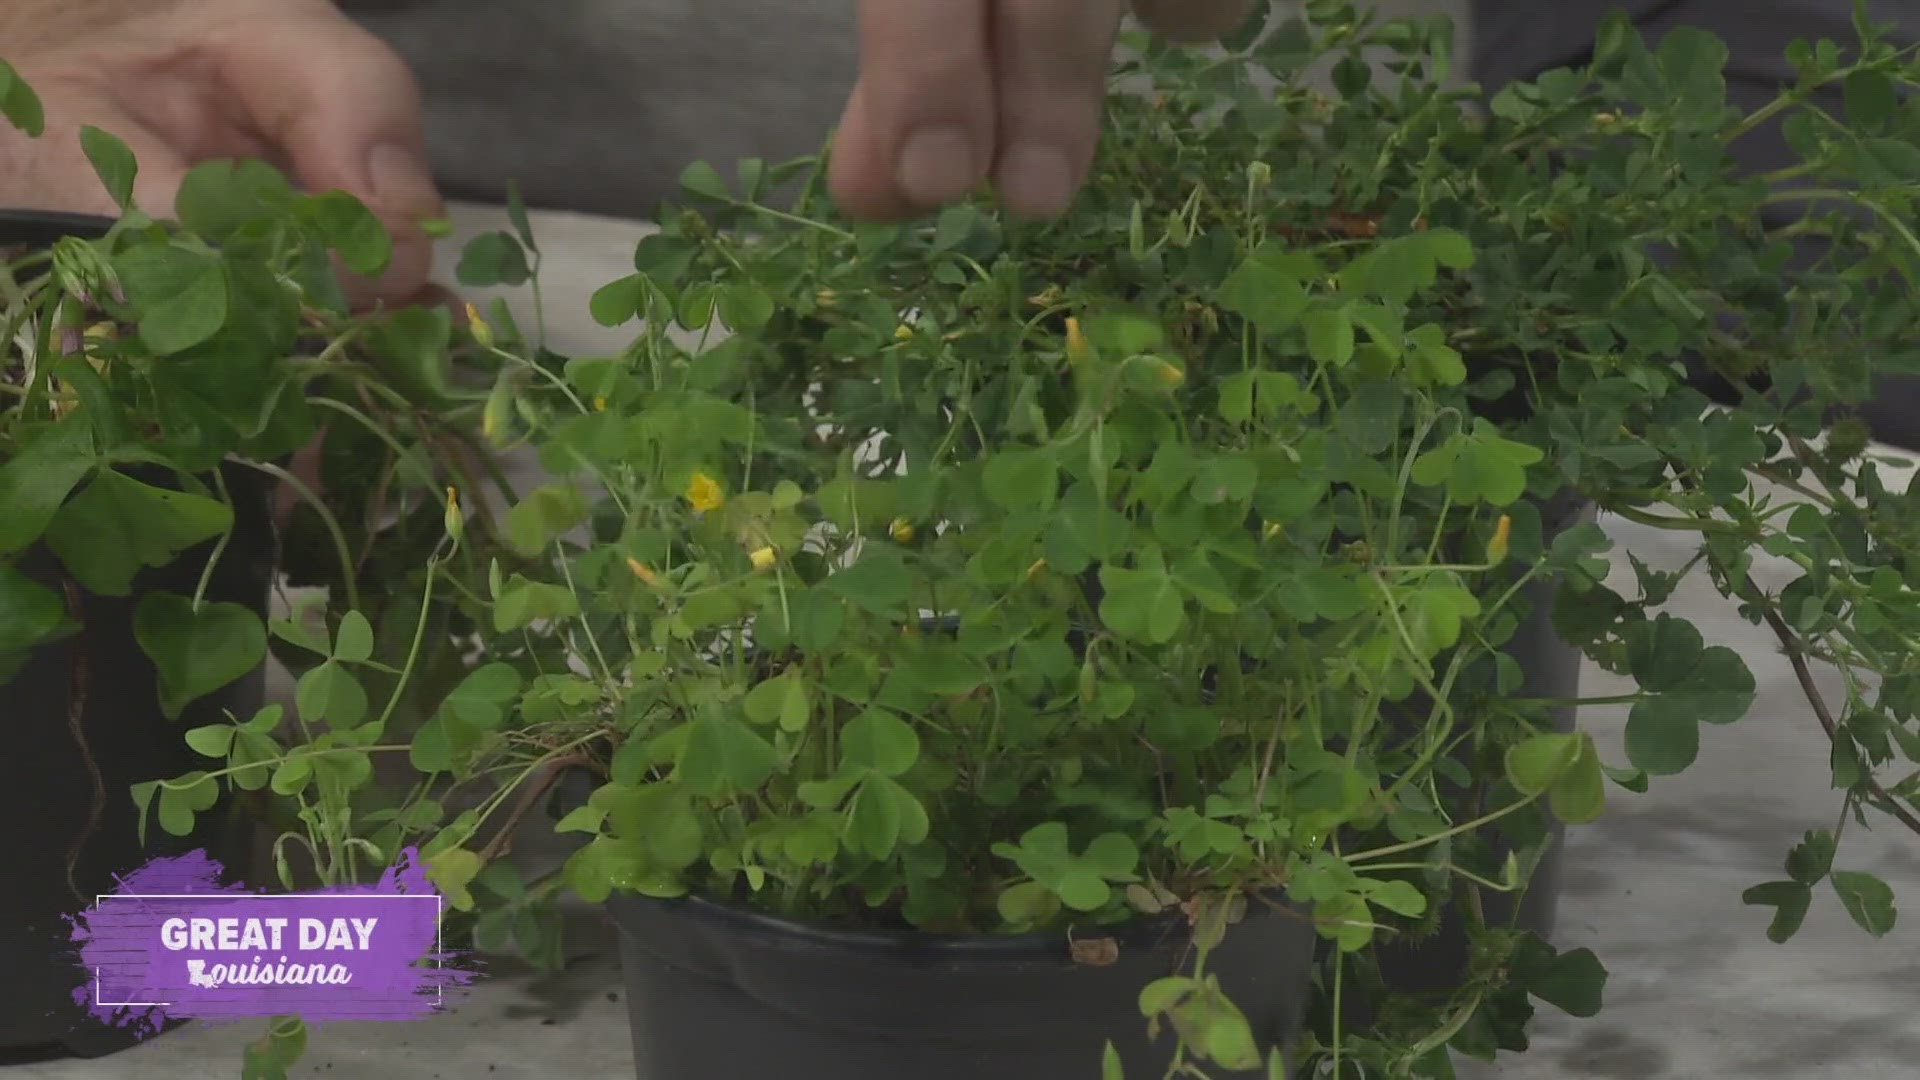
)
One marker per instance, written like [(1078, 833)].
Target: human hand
[(291, 82), (955, 92)]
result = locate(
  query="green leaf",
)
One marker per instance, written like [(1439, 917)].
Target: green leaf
[(873, 820), (619, 301), (878, 582), (1538, 763), (517, 216), (179, 294), (1399, 897), (117, 525), (450, 872), (19, 104), (543, 516), (524, 602), (352, 231), (1110, 1068), (331, 694), (1271, 299), (1579, 795), (112, 162), (880, 741), (1082, 889), (701, 178), (482, 699), (745, 307), (1789, 900), (217, 198), (493, 259), (1573, 983), (30, 613), (1687, 684), (1142, 605), (723, 756), (213, 741), (353, 644), (780, 701), (1867, 899), (196, 653), (1329, 336), (1022, 479), (38, 479)]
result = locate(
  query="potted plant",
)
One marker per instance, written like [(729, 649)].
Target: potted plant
[(1008, 648), (154, 383)]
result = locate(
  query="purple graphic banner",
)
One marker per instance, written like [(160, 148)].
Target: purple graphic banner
[(173, 942)]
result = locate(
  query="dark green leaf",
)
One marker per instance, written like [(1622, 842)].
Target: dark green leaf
[(1867, 899), (196, 653), (38, 479), (117, 525)]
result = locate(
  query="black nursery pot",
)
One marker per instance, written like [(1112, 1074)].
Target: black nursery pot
[(49, 785), (1550, 668), (716, 992)]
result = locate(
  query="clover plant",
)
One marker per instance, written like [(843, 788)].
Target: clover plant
[(1157, 561)]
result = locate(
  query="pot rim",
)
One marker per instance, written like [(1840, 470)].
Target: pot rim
[(1141, 933), (24, 225)]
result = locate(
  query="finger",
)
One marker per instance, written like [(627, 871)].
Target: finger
[(1193, 20), (1053, 57), (345, 113), (919, 128)]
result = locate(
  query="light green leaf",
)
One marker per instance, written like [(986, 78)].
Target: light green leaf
[(178, 293), (112, 162), (880, 741), (723, 756)]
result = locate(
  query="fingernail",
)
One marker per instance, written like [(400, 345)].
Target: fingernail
[(1035, 179), (401, 180), (937, 165)]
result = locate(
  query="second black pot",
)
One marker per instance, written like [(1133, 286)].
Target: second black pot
[(716, 992), (56, 856)]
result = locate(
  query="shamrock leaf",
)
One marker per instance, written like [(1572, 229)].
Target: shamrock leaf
[(1686, 684), (197, 652), (116, 525)]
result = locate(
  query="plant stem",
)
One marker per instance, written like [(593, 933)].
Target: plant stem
[(348, 573), (1412, 845)]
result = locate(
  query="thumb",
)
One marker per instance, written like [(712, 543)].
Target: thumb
[(343, 111)]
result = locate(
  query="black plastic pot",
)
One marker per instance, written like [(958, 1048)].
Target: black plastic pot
[(716, 992), (50, 786), (1550, 668)]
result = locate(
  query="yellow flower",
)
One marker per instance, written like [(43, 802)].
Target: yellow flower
[(1497, 547), (1168, 374), (599, 404), (478, 327), (763, 558), (903, 332), (646, 576), (704, 493), (1076, 341), (901, 530)]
